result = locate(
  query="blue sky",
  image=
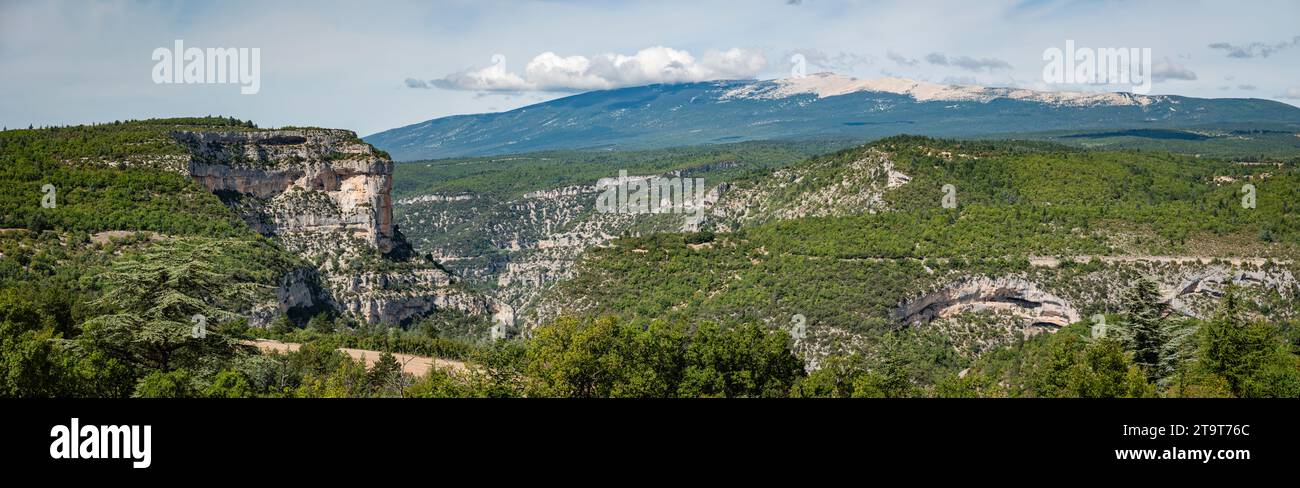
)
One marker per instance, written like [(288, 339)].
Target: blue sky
[(370, 66)]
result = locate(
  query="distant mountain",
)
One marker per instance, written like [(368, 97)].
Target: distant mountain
[(814, 106)]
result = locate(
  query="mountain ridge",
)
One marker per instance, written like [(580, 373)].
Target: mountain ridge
[(811, 107)]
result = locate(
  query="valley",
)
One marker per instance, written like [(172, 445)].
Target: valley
[(983, 294), (939, 263), (1050, 229)]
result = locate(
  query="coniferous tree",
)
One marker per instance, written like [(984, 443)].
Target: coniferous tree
[(1103, 371), (1143, 315), (156, 300), (385, 375), (1247, 354)]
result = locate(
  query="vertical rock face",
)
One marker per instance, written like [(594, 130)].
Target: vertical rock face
[(306, 180), (326, 196)]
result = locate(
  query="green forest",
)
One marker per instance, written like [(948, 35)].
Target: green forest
[(511, 176), (85, 312), (109, 177), (1018, 198)]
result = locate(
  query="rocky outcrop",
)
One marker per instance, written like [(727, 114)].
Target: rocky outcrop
[(1190, 288), (1194, 289), (307, 180), (1019, 297), (822, 187), (397, 297), (326, 196), (298, 290)]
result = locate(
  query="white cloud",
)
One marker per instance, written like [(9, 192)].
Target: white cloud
[(82, 63), (1291, 93), (491, 78), (572, 73), (967, 63), (842, 61), (1255, 49), (900, 59), (551, 72), (735, 63), (1165, 70)]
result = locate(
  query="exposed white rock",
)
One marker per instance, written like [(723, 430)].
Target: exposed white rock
[(979, 294), (298, 288), (315, 179), (325, 195), (1188, 296), (825, 85), (858, 187), (464, 197)]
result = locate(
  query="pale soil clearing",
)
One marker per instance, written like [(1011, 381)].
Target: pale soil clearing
[(413, 365), (108, 236)]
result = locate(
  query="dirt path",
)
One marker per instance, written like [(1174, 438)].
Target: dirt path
[(1054, 262), (107, 236), (414, 365)]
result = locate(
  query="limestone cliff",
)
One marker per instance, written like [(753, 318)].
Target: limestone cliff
[(309, 180), (325, 195)]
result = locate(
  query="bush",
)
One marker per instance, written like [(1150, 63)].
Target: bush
[(172, 384)]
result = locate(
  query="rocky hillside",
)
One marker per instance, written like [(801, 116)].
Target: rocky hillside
[(512, 227), (859, 243), (821, 188), (322, 196), (875, 206), (515, 248), (326, 195)]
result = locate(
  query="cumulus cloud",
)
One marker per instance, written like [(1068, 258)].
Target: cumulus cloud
[(1254, 49), (495, 78), (1165, 70), (555, 73), (1291, 93), (735, 62), (552, 71), (967, 63)]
